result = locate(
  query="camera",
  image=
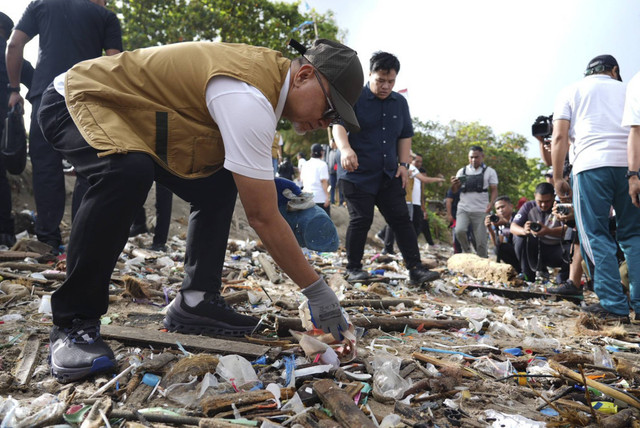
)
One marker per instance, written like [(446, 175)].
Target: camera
[(535, 227), (493, 218), (564, 209), (543, 127), (462, 179)]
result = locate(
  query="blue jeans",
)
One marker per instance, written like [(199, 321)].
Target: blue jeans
[(594, 192)]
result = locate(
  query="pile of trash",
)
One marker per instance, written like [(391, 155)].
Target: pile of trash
[(467, 350)]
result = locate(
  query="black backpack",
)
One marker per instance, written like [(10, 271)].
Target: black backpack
[(13, 145)]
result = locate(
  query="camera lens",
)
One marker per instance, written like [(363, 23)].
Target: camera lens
[(536, 227), (493, 218)]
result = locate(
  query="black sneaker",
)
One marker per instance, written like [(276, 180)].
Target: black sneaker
[(567, 289), (357, 275), (79, 351), (598, 311), (421, 274), (137, 229), (212, 316), (388, 252), (158, 247)]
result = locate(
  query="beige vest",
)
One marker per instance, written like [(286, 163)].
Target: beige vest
[(153, 100)]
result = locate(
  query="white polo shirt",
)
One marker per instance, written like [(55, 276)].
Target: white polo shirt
[(631, 115), (594, 107)]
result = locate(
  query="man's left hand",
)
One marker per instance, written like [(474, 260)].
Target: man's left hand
[(403, 173), (634, 190), (326, 313)]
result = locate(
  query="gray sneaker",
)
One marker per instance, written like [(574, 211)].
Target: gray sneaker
[(212, 316), (357, 275), (567, 289), (79, 351)]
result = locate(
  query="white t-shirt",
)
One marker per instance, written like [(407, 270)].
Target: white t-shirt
[(247, 142), (631, 115), (475, 202), (417, 185), (594, 107), (312, 173)]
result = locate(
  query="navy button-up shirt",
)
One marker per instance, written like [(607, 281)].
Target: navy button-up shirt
[(382, 124)]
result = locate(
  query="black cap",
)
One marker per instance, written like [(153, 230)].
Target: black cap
[(316, 150), (341, 67), (600, 64), (6, 23)]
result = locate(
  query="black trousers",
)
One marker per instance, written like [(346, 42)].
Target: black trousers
[(6, 217), (533, 255), (390, 200), (419, 224), (118, 186), (164, 202), (506, 253)]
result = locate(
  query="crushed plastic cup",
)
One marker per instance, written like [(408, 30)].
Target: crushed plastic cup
[(45, 304)]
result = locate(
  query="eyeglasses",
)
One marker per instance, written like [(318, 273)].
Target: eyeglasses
[(331, 113)]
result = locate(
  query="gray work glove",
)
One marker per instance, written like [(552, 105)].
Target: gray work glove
[(325, 309)]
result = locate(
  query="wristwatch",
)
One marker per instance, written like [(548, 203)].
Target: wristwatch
[(630, 174), (404, 164), (12, 89)]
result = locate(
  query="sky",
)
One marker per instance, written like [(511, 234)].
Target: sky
[(499, 62)]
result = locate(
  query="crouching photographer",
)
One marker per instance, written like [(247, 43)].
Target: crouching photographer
[(538, 236), (572, 287), (499, 227)]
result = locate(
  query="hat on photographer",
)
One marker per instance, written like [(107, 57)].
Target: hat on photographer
[(602, 63)]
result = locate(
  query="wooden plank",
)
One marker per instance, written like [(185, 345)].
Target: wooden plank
[(516, 294), (189, 341), (27, 360), (341, 405)]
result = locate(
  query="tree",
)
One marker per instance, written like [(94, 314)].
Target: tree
[(257, 22), (445, 150)]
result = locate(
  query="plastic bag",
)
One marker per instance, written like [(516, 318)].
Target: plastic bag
[(237, 371), (497, 369), (386, 379)]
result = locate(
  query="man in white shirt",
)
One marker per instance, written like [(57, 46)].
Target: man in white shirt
[(588, 124), (476, 181), (199, 118), (631, 117), (315, 178)]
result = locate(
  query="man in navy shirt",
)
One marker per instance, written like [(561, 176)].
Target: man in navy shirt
[(70, 31), (374, 168)]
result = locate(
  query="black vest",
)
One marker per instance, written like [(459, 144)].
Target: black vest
[(474, 183)]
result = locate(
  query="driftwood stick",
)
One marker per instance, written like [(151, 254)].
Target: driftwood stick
[(607, 390), (440, 363), (378, 303), (27, 360), (269, 269), (383, 323)]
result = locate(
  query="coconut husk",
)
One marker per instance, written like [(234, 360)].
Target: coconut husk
[(195, 365)]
